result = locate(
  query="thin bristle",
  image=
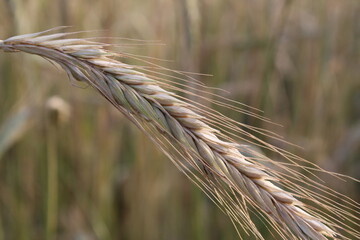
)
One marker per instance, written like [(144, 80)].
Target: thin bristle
[(200, 141)]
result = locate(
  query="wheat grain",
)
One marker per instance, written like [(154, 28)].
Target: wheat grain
[(228, 172)]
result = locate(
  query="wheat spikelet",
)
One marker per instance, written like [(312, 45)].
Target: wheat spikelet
[(198, 140)]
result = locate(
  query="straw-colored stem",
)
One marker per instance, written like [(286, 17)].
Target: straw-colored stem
[(52, 181)]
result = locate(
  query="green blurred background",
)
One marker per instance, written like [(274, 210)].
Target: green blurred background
[(298, 61)]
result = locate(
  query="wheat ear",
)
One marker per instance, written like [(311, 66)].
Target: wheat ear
[(187, 134)]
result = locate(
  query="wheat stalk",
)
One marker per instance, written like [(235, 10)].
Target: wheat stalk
[(198, 140)]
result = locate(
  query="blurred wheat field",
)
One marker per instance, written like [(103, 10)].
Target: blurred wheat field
[(295, 60)]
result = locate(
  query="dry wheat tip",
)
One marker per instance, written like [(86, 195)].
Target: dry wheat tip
[(201, 143)]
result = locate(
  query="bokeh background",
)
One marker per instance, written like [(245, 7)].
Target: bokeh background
[(298, 61)]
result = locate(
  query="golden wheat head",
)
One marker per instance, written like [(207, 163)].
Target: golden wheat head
[(203, 143)]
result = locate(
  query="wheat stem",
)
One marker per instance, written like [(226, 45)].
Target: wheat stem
[(52, 181), (206, 155)]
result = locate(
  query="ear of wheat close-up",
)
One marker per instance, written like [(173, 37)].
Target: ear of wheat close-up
[(204, 144)]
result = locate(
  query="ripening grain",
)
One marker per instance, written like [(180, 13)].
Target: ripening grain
[(201, 142)]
